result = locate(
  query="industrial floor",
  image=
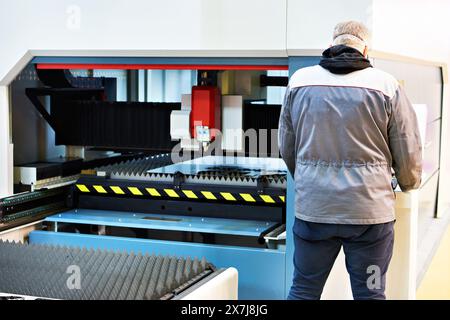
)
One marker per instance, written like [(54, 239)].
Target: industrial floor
[(436, 282)]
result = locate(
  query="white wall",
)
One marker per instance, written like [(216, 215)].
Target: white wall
[(414, 28), (213, 27), (141, 27), (310, 23)]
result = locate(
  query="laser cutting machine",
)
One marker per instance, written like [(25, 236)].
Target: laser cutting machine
[(183, 178), (180, 179)]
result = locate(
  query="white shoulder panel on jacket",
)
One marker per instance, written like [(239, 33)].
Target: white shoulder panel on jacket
[(369, 78)]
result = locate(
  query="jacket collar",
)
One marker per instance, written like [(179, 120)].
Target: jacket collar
[(342, 59)]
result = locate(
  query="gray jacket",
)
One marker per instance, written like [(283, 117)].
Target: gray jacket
[(339, 136)]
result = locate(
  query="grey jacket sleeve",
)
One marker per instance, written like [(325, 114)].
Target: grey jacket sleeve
[(286, 136), (404, 142)]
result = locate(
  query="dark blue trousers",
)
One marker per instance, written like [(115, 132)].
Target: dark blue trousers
[(367, 248)]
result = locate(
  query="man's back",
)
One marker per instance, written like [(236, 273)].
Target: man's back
[(343, 126), (348, 130)]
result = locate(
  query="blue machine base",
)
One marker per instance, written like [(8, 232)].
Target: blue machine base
[(261, 271)]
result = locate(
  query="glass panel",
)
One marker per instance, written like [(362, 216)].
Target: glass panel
[(275, 95), (169, 85)]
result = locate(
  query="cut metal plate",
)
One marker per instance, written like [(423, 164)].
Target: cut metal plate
[(245, 166)]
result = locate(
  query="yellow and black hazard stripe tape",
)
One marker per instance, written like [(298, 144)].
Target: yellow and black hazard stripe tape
[(181, 194)]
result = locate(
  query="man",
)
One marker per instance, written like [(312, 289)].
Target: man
[(343, 126)]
